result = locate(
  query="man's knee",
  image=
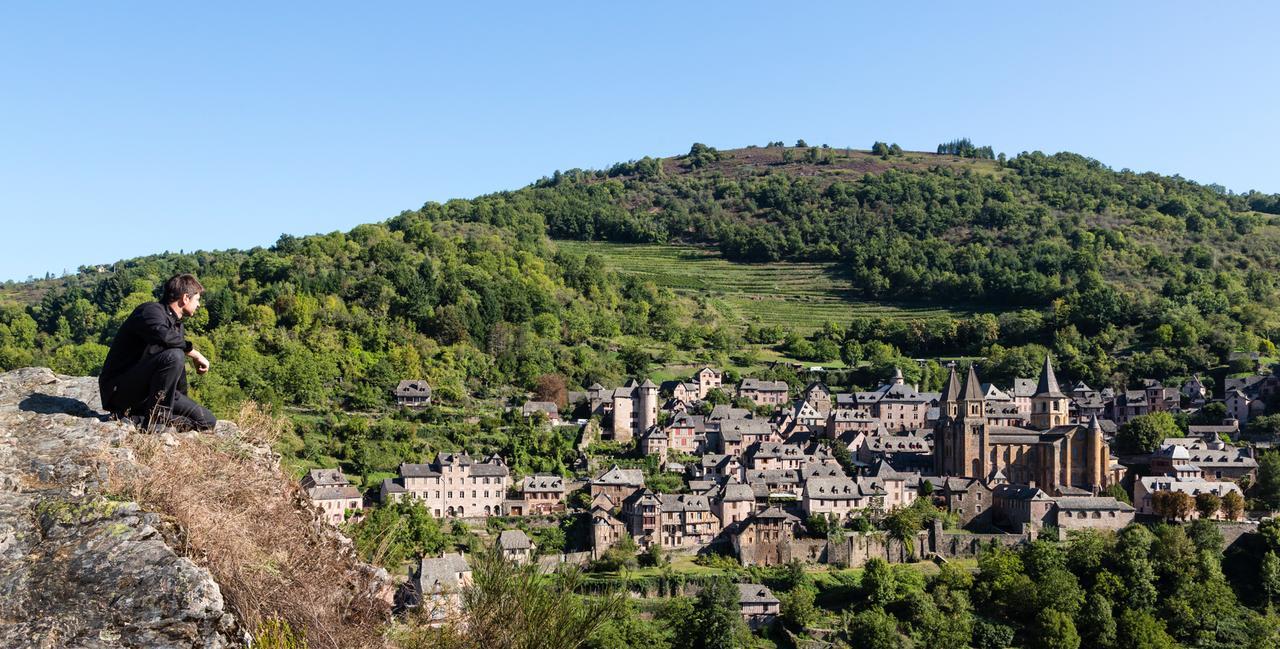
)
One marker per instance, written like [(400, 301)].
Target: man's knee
[(170, 357)]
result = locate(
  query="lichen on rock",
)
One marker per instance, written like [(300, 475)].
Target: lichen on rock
[(77, 568)]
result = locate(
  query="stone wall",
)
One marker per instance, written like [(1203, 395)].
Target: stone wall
[(857, 549)]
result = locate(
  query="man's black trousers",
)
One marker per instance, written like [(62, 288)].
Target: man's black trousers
[(157, 385)]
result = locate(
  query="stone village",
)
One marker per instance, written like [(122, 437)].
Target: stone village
[(1007, 463)]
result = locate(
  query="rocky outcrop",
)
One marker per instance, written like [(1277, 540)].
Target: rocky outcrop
[(77, 568)]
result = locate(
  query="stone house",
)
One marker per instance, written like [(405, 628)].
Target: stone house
[(733, 502), (437, 587), (758, 605), (1195, 391), (840, 496), (717, 465), (708, 379), (900, 488), (1019, 505), (1213, 460), (969, 498), (548, 409), (669, 520), (1091, 512), (655, 441), (818, 397), (1160, 398), (1086, 403), (897, 405), (542, 494), (687, 433), (775, 455), (1145, 487), (885, 446), (682, 392), (631, 409), (413, 394), (331, 492), (617, 483), (775, 484), (1241, 407), (843, 420), (764, 538), (515, 546), (1129, 404), (764, 393), (1021, 392), (606, 529), (454, 486)]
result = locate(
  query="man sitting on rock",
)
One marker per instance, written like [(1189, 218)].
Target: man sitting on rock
[(145, 375)]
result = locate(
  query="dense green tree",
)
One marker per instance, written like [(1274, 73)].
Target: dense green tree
[(875, 629), (1055, 630), (1096, 622), (1143, 433), (393, 533), (1138, 629), (879, 586), (1267, 487)]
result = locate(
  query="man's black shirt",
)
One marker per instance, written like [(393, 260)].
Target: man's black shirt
[(152, 327)]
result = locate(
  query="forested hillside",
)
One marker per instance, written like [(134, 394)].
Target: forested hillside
[(1121, 274)]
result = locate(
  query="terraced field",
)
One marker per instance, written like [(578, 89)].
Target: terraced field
[(798, 295)]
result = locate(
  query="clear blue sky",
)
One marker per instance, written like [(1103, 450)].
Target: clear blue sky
[(134, 128)]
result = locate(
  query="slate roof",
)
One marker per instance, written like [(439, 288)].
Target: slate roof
[(1048, 384), (1020, 492), (839, 489), (542, 483), (761, 385), (621, 477), (514, 540), (418, 471), (412, 388), (1092, 503), (439, 573), (755, 594), (972, 387), (327, 477), (333, 492), (734, 491)]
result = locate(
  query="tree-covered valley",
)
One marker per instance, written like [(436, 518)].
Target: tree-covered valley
[(1122, 275)]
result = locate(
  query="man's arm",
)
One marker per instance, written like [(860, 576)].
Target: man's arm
[(202, 363), (157, 330)]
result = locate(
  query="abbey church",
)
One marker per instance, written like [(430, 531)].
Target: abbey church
[(1058, 457)]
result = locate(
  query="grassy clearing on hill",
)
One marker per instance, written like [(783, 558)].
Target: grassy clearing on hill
[(801, 296)]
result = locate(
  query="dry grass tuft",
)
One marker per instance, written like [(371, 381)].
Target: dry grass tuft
[(240, 517)]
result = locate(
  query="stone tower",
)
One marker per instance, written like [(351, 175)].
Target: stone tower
[(1049, 406), (960, 441), (1099, 456), (647, 407), (972, 428), (624, 414)]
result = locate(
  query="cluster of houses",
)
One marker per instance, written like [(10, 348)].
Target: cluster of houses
[(1028, 455)]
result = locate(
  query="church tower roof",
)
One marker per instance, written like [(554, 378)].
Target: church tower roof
[(972, 387), (1048, 386), (951, 389)]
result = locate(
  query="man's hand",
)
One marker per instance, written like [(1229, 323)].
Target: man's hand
[(202, 363)]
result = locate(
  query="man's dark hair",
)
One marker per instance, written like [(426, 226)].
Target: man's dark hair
[(180, 285)]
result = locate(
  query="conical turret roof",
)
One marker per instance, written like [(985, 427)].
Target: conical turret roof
[(972, 387), (951, 389), (1048, 386)]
